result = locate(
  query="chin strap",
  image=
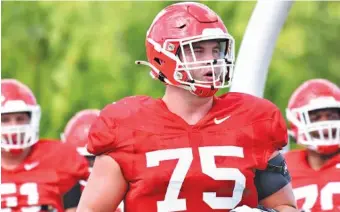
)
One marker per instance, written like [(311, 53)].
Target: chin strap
[(159, 75)]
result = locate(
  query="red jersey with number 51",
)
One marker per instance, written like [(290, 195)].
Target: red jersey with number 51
[(39, 183), (172, 166), (315, 191)]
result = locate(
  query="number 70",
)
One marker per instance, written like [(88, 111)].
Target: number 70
[(310, 194)]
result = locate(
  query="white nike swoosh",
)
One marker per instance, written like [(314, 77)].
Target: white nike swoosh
[(31, 166), (219, 121), (337, 166)]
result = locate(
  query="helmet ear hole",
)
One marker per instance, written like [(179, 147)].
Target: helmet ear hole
[(159, 61)]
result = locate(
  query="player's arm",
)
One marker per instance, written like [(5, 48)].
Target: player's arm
[(273, 185), (105, 188), (272, 178)]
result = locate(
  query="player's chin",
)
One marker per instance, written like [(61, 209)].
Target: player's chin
[(211, 81)]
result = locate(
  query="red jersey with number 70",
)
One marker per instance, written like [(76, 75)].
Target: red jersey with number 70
[(39, 183), (172, 166), (315, 191)]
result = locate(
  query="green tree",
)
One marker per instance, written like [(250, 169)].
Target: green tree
[(77, 55)]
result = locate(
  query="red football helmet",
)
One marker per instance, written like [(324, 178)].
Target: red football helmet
[(76, 130), (183, 25), (310, 96), (17, 97)]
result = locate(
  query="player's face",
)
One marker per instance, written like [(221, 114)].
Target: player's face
[(203, 51), (330, 114), (12, 119)]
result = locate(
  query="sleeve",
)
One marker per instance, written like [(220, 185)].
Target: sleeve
[(270, 136), (103, 132), (107, 137), (72, 197), (73, 168)]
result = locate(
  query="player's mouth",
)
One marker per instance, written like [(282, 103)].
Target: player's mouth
[(208, 76), (325, 134)]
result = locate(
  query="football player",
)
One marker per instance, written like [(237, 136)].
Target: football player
[(190, 150), (35, 173), (76, 133), (314, 115)]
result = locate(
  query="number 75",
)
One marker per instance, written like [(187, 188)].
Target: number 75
[(207, 154)]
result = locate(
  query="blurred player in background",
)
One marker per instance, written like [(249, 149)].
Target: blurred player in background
[(76, 133), (190, 150), (314, 115), (35, 173)]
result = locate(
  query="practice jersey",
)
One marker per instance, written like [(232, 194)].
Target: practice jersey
[(38, 184), (314, 191), (172, 166)]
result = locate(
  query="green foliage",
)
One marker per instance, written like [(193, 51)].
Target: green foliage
[(77, 55)]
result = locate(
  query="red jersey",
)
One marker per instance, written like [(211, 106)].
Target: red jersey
[(314, 190), (172, 166), (51, 169)]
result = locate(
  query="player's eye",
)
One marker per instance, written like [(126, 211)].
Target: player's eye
[(5, 119), (217, 53), (198, 50), (314, 117), (333, 116), (22, 119)]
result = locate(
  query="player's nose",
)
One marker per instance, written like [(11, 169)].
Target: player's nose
[(208, 56)]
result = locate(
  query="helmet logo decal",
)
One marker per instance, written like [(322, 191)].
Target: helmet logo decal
[(171, 47)]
